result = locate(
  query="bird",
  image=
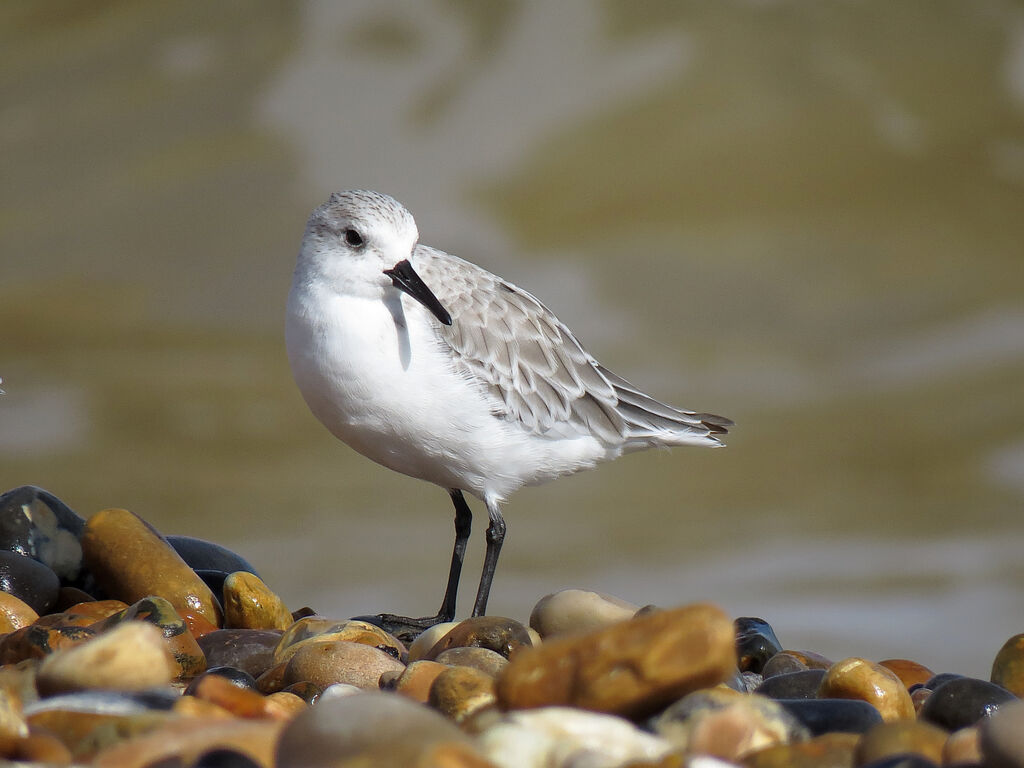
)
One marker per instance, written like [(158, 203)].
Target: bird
[(438, 369)]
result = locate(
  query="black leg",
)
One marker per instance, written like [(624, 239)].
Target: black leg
[(405, 628), (495, 538)]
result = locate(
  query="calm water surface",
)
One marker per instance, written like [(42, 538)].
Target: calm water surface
[(805, 216)]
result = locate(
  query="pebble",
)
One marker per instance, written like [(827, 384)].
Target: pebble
[(1002, 737), (131, 561), (756, 643), (340, 661), (249, 604), (417, 678), (173, 628), (830, 750), (793, 685), (856, 678), (374, 728), (909, 672), (38, 642), (29, 580), (316, 629), (202, 555), (15, 613), (1008, 666), (250, 650), (887, 740), (37, 524), (963, 701), (633, 668), (559, 737), (823, 716), (963, 747), (424, 643), (458, 692), (484, 659), (578, 610), (721, 723), (496, 633), (130, 657)]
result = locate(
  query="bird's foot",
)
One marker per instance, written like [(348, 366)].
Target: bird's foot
[(402, 627)]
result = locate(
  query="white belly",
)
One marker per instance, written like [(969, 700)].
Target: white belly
[(380, 381)]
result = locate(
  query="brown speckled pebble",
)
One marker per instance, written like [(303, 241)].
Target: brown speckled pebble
[(249, 604), (317, 629), (339, 661), (130, 561), (501, 635), (459, 692), (901, 738), (632, 668), (856, 678), (484, 659)]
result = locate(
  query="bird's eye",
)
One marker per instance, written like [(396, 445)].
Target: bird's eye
[(353, 238)]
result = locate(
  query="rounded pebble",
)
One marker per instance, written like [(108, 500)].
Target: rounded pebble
[(830, 750), (756, 643), (963, 701), (501, 635), (28, 580), (250, 650), (909, 672), (963, 747), (900, 738), (35, 523), (15, 613), (458, 692), (427, 639), (416, 679), (316, 629), (1008, 666), (484, 659), (340, 661), (578, 610), (856, 678), (249, 604), (823, 716), (793, 685)]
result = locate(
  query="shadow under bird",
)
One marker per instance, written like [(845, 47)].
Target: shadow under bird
[(438, 369)]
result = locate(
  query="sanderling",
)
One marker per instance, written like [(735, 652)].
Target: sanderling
[(436, 368)]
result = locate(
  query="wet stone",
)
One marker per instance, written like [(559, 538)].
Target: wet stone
[(833, 715), (249, 604), (37, 524), (339, 661), (756, 643), (963, 701), (250, 650), (484, 659), (161, 614), (29, 580), (316, 629), (1002, 737), (909, 672), (793, 685), (941, 679), (857, 678), (578, 610), (132, 656), (381, 729), (239, 701), (633, 668), (458, 692), (888, 740), (496, 633), (15, 613), (307, 691), (830, 750), (236, 677), (1008, 666), (38, 642), (202, 555), (783, 663), (131, 561), (726, 725)]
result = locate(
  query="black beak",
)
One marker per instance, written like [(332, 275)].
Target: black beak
[(405, 279)]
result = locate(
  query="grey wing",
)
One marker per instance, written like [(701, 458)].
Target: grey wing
[(538, 372)]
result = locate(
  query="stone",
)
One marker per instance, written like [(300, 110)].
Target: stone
[(307, 691), (237, 677), (578, 610), (130, 657), (188, 738), (900, 761), (161, 614), (130, 560), (86, 732), (250, 650), (340, 661), (224, 758), (726, 725), (856, 678), (484, 659), (249, 604), (427, 639), (417, 678), (633, 668), (37, 642), (559, 736), (377, 728), (458, 692), (501, 635), (284, 705), (830, 750), (1001, 737), (887, 740), (909, 672), (783, 663), (756, 643), (28, 580), (202, 555), (12, 719), (35, 523), (823, 716), (40, 749), (316, 629), (793, 685), (963, 701), (88, 613), (15, 613), (963, 747), (241, 702), (1008, 666)]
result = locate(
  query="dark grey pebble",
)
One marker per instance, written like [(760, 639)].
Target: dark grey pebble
[(202, 555), (107, 702), (755, 643), (224, 758), (833, 715), (782, 664), (29, 580), (963, 701), (793, 685), (237, 677), (249, 650), (941, 679)]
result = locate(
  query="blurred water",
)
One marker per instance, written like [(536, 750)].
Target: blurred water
[(804, 216)]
